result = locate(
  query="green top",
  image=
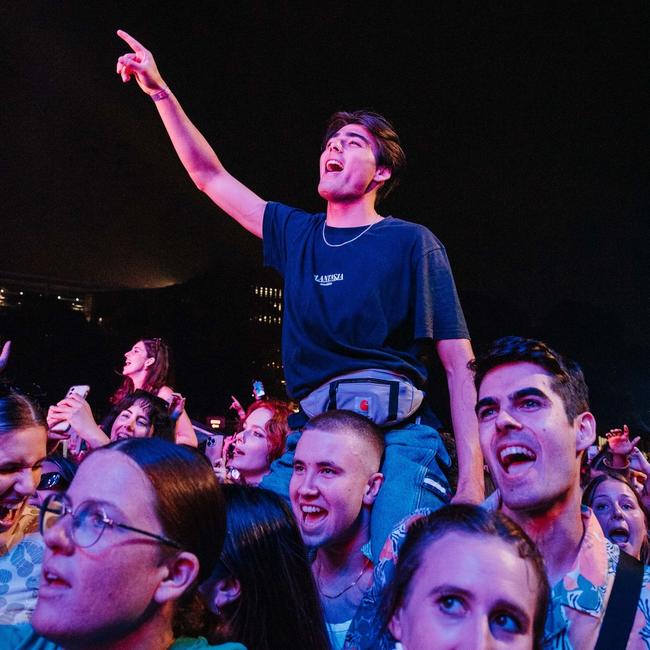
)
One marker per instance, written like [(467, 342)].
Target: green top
[(23, 637)]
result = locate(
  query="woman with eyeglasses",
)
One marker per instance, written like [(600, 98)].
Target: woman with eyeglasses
[(122, 566), (147, 367), (23, 436)]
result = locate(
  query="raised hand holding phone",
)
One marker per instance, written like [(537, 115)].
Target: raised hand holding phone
[(57, 422)]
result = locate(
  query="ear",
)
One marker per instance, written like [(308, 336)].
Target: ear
[(585, 424), (382, 174), (225, 591), (148, 362), (179, 573), (395, 625), (372, 488)]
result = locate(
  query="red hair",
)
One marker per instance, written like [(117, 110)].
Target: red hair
[(277, 427)]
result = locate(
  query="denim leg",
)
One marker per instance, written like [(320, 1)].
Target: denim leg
[(413, 478), (277, 480)]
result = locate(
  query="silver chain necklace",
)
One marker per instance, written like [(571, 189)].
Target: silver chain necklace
[(363, 232), (366, 564)]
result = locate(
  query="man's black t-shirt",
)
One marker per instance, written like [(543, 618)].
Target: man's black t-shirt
[(362, 304)]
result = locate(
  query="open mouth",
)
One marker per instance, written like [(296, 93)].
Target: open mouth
[(8, 516), (312, 515), (333, 166), (52, 579), (619, 535), (515, 459)]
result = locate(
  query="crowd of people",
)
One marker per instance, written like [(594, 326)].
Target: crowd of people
[(209, 558), (329, 519)]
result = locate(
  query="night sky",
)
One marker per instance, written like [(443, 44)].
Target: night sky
[(525, 126)]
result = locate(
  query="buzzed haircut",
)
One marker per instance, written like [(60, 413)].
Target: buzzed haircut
[(351, 424), (568, 380)]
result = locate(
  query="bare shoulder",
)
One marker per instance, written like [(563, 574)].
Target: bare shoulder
[(165, 392)]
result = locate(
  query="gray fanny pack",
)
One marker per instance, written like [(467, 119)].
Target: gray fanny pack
[(385, 397)]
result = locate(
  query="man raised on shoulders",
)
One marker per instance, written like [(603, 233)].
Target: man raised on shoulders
[(362, 292)]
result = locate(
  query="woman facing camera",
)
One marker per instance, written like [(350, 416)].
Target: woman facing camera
[(620, 513), (147, 367), (122, 566), (23, 437), (262, 590), (467, 578), (138, 415), (259, 442)]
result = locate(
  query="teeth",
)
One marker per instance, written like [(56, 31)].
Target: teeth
[(310, 510), (333, 166), (511, 451)]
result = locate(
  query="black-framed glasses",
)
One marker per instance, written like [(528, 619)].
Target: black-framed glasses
[(53, 480), (89, 521)]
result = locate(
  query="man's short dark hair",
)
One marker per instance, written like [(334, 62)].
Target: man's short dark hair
[(351, 424), (389, 153), (568, 380)]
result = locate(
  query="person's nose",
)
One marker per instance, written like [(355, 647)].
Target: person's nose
[(57, 536), (308, 486), (506, 421), (480, 635), (26, 482), (335, 144)]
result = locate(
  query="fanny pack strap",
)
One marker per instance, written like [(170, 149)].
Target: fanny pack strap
[(393, 395), (622, 605)]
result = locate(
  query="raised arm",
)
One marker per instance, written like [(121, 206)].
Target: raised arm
[(454, 355), (197, 156), (76, 410)]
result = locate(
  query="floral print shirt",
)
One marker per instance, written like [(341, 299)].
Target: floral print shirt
[(579, 600)]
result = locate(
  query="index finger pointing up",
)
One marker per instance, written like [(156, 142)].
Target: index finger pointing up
[(136, 46)]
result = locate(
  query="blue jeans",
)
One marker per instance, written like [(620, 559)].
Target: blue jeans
[(413, 477)]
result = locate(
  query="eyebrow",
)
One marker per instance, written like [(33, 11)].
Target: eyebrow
[(486, 401), (107, 505), (328, 463), (513, 397), (322, 463), (525, 392), (351, 134), (454, 589)]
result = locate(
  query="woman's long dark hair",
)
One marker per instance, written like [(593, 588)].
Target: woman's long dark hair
[(278, 607), (157, 376)]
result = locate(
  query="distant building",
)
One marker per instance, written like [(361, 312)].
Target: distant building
[(266, 327), (18, 291)]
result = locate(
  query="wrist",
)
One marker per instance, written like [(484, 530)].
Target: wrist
[(161, 94)]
